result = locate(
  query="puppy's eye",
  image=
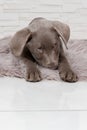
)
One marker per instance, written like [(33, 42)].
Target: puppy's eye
[(39, 49), (55, 44)]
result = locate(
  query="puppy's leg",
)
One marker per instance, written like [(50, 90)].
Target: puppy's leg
[(33, 73), (65, 70)]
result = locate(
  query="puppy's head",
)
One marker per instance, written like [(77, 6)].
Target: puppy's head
[(44, 45)]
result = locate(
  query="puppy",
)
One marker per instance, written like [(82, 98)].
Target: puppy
[(41, 42)]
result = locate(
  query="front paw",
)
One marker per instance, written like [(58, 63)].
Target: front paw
[(33, 75), (68, 75)]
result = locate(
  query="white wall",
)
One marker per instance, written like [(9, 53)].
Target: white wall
[(15, 14)]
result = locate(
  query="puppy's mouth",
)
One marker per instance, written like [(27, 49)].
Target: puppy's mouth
[(53, 68)]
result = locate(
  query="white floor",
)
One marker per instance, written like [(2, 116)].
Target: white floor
[(34, 106), (39, 121), (43, 120), (19, 95)]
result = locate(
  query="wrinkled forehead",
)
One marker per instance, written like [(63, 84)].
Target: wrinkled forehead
[(46, 35)]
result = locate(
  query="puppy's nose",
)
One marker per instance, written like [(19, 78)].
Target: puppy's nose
[(52, 65)]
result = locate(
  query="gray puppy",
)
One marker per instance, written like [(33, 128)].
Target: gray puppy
[(41, 42)]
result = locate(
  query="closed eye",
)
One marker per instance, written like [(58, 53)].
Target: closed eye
[(55, 44), (39, 49)]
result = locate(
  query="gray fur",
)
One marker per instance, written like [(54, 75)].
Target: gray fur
[(41, 42)]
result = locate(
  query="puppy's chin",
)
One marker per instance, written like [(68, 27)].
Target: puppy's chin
[(51, 67)]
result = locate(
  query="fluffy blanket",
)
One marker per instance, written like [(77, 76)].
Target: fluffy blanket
[(14, 67)]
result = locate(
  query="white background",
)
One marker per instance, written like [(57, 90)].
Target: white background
[(14, 15)]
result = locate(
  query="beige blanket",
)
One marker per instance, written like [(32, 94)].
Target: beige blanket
[(14, 67)]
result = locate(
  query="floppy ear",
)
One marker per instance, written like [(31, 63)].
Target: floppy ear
[(63, 31), (19, 41)]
